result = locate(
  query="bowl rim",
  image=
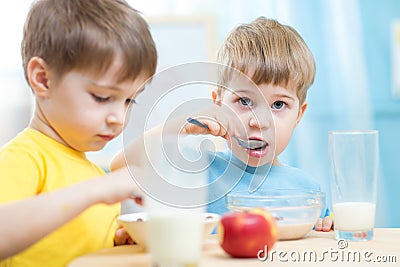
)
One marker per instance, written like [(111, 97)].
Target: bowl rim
[(133, 216), (296, 193)]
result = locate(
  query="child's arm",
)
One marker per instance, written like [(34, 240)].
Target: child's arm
[(27, 221), (218, 122)]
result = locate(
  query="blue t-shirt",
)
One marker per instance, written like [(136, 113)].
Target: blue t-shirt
[(228, 174)]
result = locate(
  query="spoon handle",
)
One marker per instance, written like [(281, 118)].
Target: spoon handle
[(196, 122), (241, 142)]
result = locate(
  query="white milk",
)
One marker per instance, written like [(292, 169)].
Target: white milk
[(293, 231), (354, 216), (176, 239)]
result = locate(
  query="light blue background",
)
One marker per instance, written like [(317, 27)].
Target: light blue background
[(352, 89)]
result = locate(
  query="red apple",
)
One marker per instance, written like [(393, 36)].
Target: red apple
[(244, 234)]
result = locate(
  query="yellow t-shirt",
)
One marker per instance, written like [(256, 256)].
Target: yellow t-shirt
[(33, 163)]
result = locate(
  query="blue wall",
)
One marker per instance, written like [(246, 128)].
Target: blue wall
[(351, 41), (377, 17)]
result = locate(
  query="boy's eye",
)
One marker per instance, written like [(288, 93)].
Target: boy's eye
[(100, 99), (278, 105), (129, 101), (245, 101)]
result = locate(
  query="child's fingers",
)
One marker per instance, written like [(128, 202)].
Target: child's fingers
[(318, 225), (213, 127), (217, 129), (327, 224), (121, 237), (195, 129)]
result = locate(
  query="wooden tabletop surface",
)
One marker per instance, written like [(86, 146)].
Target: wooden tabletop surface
[(317, 248)]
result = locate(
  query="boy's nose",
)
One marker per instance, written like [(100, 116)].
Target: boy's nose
[(261, 123), (116, 118)]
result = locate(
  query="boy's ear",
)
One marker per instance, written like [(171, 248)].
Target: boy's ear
[(302, 109), (216, 98), (38, 72)]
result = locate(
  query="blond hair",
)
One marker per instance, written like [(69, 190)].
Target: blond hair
[(277, 53), (87, 35)]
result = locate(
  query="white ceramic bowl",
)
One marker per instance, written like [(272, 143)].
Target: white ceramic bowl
[(135, 225), (295, 211)]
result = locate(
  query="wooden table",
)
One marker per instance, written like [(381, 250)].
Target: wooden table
[(317, 248)]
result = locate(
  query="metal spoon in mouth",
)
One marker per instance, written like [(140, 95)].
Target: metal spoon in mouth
[(248, 144), (251, 144)]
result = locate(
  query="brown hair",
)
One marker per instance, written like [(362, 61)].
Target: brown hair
[(87, 35), (277, 52)]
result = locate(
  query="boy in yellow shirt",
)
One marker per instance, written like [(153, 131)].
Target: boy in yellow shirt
[(85, 61)]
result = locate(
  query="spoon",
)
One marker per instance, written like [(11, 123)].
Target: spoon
[(249, 144)]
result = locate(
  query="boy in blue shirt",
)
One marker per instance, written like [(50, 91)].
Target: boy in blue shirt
[(279, 62)]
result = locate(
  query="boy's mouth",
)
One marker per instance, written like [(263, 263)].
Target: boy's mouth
[(262, 147), (106, 137), (260, 151)]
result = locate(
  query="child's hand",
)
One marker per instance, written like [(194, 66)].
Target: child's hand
[(207, 126), (116, 187), (217, 122), (122, 237), (325, 224)]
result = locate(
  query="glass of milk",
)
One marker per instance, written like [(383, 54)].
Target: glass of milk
[(174, 201), (354, 159)]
